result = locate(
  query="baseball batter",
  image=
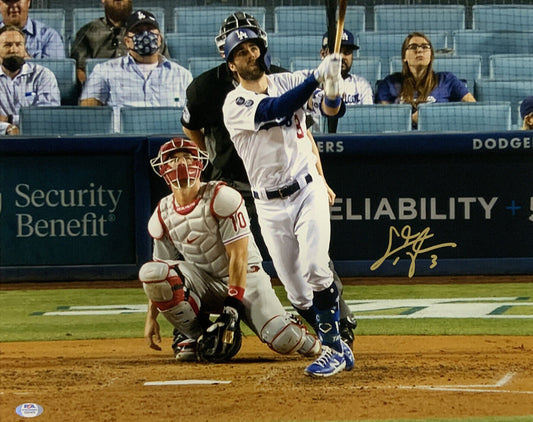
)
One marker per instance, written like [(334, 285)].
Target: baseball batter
[(221, 270), (203, 123), (265, 117)]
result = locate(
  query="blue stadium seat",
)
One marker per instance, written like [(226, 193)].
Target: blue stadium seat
[(283, 47), (91, 63), (511, 66), (502, 17), (198, 65), (513, 91), (395, 64), (54, 18), (302, 63), (298, 20), (389, 44), (184, 46), (464, 117), (369, 68), (206, 20), (151, 120), (466, 68), (375, 118), (65, 73), (66, 120), (409, 18), (469, 42), (83, 15)]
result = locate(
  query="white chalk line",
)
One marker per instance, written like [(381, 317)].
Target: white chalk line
[(471, 388), (462, 390), (476, 307), (187, 382)]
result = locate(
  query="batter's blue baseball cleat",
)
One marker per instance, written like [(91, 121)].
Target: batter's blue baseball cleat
[(329, 363), (348, 356)]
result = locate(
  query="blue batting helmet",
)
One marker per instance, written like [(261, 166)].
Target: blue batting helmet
[(239, 36)]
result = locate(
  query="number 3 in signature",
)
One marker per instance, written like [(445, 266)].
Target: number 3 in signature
[(415, 242)]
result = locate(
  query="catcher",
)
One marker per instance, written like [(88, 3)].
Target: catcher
[(220, 271)]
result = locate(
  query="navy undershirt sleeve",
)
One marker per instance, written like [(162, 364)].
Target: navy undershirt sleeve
[(271, 108)]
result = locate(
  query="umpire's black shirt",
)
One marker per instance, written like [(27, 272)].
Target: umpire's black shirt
[(205, 98)]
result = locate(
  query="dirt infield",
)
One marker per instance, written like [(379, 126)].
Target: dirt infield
[(394, 377)]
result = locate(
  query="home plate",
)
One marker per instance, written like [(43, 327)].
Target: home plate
[(187, 382)]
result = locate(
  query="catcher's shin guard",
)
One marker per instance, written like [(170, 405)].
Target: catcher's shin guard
[(165, 288), (285, 334)]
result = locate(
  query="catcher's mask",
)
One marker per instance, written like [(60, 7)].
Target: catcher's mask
[(238, 20), (180, 162)]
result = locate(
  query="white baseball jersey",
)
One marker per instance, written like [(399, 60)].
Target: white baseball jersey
[(276, 152), (355, 90), (199, 232)]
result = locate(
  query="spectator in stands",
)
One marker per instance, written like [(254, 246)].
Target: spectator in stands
[(21, 83), (144, 77), (418, 83), (526, 113), (103, 38), (355, 89), (41, 40)]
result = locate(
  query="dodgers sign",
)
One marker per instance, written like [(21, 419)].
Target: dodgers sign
[(430, 204)]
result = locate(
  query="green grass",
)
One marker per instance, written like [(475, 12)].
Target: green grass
[(527, 310), (17, 322), (421, 291)]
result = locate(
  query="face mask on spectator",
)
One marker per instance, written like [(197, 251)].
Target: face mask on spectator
[(145, 43), (13, 63)]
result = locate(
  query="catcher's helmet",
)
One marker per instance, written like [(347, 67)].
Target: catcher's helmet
[(179, 171), (239, 36), (235, 21)]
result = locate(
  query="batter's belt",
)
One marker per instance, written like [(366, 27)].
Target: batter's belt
[(284, 191)]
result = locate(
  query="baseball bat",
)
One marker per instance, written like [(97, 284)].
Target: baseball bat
[(340, 25)]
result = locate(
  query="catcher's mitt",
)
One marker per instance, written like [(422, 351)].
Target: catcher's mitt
[(223, 339)]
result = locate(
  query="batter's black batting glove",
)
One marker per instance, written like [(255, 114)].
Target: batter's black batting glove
[(223, 339)]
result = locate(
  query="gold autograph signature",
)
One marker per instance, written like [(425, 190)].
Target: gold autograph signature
[(415, 241)]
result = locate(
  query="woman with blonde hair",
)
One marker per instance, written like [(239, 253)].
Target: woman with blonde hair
[(418, 82)]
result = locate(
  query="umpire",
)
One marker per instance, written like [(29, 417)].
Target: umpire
[(203, 123)]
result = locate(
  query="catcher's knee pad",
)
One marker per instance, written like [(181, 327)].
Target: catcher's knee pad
[(285, 334), (167, 291)]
